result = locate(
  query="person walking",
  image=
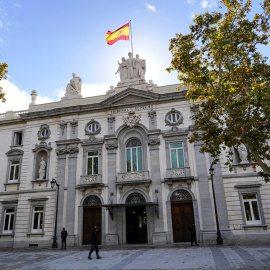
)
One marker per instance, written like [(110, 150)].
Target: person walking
[(64, 235), (193, 235), (94, 246)]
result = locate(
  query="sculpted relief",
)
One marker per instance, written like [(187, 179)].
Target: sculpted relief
[(131, 68)]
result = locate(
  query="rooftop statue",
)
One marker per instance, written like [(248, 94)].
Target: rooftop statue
[(75, 84), (131, 68), (73, 89)]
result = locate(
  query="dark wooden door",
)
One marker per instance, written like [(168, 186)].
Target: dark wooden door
[(91, 218), (136, 224), (182, 218)]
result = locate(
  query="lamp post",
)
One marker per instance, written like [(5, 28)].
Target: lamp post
[(219, 238), (53, 183)]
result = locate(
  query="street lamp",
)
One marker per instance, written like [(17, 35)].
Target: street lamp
[(53, 183), (219, 238)]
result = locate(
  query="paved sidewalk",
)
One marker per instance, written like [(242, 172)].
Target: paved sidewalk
[(202, 257)]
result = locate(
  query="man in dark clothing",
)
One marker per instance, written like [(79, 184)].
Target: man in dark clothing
[(193, 235), (64, 235), (94, 246)]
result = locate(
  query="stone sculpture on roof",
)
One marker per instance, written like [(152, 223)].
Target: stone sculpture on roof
[(73, 89), (131, 68)]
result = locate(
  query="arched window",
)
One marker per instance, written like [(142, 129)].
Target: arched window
[(135, 197), (134, 155), (181, 195), (91, 200)]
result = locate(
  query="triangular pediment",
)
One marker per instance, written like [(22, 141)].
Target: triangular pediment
[(130, 96)]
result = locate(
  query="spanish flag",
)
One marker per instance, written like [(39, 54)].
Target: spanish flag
[(121, 33)]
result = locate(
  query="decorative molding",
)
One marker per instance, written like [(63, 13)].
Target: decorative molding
[(133, 175), (64, 151), (153, 142), (44, 132), (170, 123), (74, 124), (131, 120), (88, 132), (152, 115), (14, 153), (111, 118), (63, 125), (42, 146), (111, 146)]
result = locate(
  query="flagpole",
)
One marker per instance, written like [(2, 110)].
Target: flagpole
[(131, 38)]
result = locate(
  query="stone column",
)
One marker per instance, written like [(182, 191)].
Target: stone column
[(111, 146), (71, 194), (159, 236), (61, 168), (207, 214)]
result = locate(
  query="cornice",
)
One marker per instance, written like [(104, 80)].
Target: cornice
[(106, 104)]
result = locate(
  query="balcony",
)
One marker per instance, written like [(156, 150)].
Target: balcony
[(178, 175), (93, 181), (133, 179)]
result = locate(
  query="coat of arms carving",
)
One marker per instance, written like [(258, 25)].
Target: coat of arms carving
[(131, 120)]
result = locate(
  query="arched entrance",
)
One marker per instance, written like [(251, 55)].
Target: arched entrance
[(182, 215), (91, 218), (136, 221)]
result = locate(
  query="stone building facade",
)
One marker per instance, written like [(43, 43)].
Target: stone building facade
[(123, 162)]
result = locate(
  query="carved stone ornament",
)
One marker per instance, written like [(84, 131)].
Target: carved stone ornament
[(111, 118), (74, 124), (177, 172), (132, 175), (63, 125), (44, 132), (152, 114), (90, 178), (153, 142), (92, 127), (64, 151), (173, 118), (111, 146), (131, 120)]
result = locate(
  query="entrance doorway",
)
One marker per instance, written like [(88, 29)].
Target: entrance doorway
[(182, 215), (91, 218), (136, 224)]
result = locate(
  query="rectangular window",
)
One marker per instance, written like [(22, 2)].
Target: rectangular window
[(9, 220), (14, 170), (17, 138), (177, 155), (92, 163), (37, 219), (251, 208), (134, 159)]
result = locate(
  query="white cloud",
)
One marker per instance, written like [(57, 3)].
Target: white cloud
[(90, 90), (192, 2), (1, 24), (208, 3), (150, 7), (16, 99), (17, 5)]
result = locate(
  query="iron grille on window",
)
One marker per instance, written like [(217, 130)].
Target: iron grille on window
[(181, 195), (91, 201), (135, 198)]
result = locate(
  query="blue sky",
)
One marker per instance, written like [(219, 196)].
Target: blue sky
[(45, 41)]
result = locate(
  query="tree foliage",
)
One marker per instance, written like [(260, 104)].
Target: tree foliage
[(228, 79), (3, 72)]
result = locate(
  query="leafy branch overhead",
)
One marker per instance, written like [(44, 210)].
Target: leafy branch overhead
[(3, 72), (228, 79)]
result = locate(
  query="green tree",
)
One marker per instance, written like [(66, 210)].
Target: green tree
[(228, 80), (3, 72)]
